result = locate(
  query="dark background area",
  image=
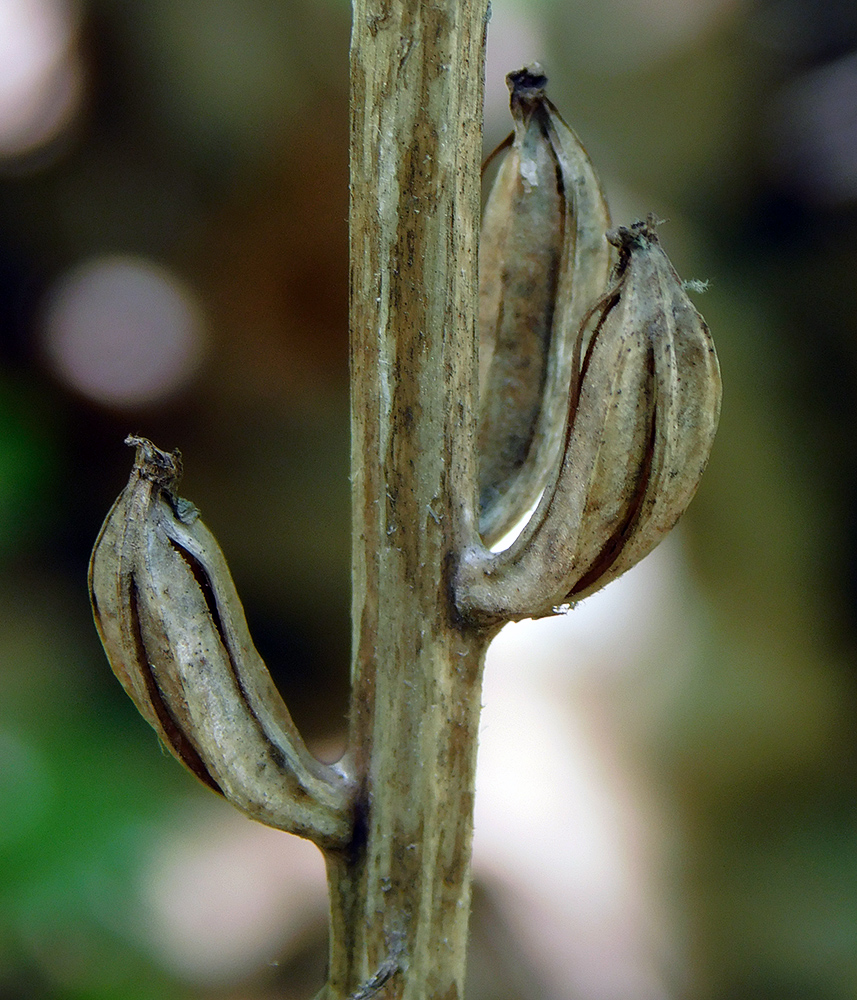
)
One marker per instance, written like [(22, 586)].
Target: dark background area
[(198, 150)]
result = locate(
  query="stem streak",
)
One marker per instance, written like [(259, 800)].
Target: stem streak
[(400, 895)]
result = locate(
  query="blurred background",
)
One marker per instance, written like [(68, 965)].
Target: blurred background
[(667, 803)]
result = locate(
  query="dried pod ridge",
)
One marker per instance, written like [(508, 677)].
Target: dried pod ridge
[(644, 407), (543, 261), (175, 634)]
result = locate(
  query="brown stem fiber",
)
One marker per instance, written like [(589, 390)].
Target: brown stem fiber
[(400, 893)]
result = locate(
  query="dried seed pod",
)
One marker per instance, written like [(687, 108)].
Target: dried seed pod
[(687, 389), (175, 634), (543, 261), (645, 403)]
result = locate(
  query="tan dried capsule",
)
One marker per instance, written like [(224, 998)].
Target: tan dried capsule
[(543, 261), (645, 403), (687, 398), (175, 634)]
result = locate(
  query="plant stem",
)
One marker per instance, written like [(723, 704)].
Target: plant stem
[(400, 895)]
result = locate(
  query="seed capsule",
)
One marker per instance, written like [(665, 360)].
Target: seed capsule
[(645, 402), (174, 631), (687, 395), (543, 261)]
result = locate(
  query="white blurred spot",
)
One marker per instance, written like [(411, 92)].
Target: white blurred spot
[(568, 832), (40, 73), (229, 896), (123, 331)]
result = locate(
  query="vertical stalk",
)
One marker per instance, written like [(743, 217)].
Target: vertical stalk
[(400, 895)]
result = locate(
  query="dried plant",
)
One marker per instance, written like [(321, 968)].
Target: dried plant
[(600, 391)]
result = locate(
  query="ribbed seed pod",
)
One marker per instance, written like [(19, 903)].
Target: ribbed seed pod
[(687, 396), (645, 403), (543, 261), (175, 634)]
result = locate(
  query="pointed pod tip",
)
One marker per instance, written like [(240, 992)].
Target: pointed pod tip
[(624, 237), (150, 462), (527, 85), (638, 236)]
